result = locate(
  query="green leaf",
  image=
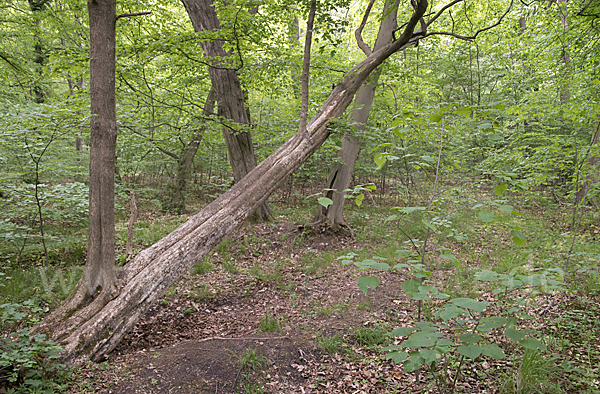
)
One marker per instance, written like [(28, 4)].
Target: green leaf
[(414, 362), (325, 202), (469, 303), (450, 312), (492, 350), (532, 343), (359, 199), (380, 266), (470, 337), (429, 356), (506, 208), (512, 283), (398, 357), (411, 286), (518, 237), (379, 159), (486, 276), (435, 118), (470, 351), (486, 216), (449, 256), (409, 209), (426, 222), (465, 111), (402, 331), (488, 324), (366, 281), (513, 334), (419, 342), (444, 345)]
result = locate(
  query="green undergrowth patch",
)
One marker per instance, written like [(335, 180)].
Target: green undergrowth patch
[(334, 344), (270, 323), (202, 268), (371, 336), (51, 285), (251, 375)]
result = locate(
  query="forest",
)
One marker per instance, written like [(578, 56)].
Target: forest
[(324, 196)]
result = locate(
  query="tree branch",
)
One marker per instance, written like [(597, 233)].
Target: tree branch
[(474, 36), (5, 58), (444, 8), (166, 152), (358, 32), (133, 14), (585, 7)]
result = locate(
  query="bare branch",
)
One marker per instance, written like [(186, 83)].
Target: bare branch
[(166, 152), (133, 14), (5, 58), (585, 7), (358, 33), (440, 12), (474, 36)]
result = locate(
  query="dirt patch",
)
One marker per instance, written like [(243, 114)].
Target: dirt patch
[(211, 365)]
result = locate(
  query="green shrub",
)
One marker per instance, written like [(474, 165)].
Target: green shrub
[(28, 363)]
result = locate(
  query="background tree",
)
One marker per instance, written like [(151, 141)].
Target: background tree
[(340, 176), (231, 103)]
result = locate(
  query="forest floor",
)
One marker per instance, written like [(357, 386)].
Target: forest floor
[(273, 310), (194, 340)]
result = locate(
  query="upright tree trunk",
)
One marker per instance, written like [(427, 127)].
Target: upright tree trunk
[(92, 331), (186, 159), (229, 95), (341, 174), (36, 7), (103, 141), (99, 280), (565, 92)]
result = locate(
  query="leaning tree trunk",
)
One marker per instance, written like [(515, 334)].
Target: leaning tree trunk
[(341, 174), (184, 163), (95, 330), (231, 104)]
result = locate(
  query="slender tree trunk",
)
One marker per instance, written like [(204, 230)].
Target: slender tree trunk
[(593, 161), (186, 159), (230, 97), (341, 174), (36, 7), (91, 331), (294, 39)]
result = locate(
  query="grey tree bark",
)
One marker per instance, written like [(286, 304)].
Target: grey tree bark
[(100, 277), (90, 332), (230, 97), (186, 159), (341, 174)]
